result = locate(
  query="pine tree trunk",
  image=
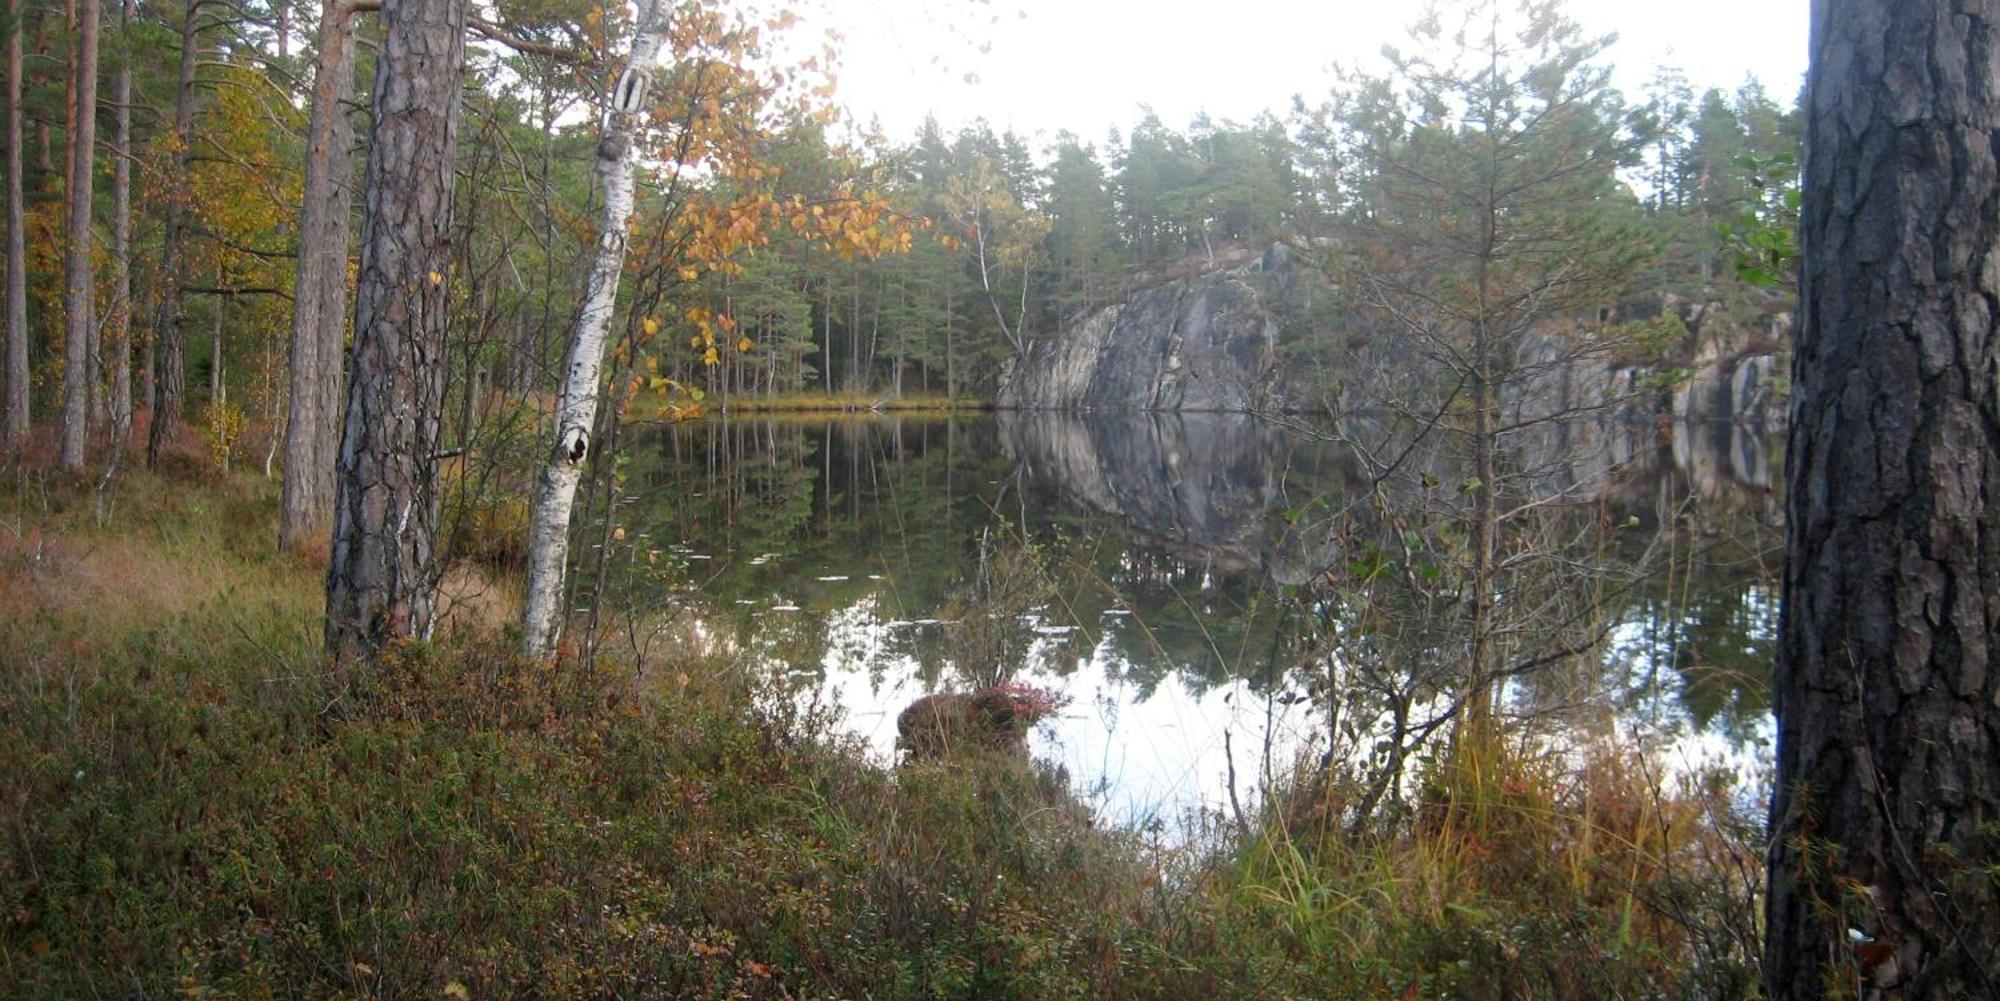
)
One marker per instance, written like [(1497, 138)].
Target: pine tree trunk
[(16, 403), (121, 241), (79, 278), (312, 425), (215, 397), (555, 491), (383, 572), (169, 371), (148, 376), (1888, 685)]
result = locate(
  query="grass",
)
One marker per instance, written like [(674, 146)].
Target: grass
[(195, 807)]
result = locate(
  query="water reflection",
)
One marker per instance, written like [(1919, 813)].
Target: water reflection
[(1159, 569)]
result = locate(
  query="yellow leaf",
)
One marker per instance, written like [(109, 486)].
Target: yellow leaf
[(456, 991), (689, 274), (744, 345), (652, 326), (437, 279)]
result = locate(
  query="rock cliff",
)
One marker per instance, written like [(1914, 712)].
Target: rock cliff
[(1201, 342), (1237, 336)]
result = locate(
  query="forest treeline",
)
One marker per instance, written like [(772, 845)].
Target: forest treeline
[(780, 250)]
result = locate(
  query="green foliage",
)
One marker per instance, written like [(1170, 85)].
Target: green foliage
[(1763, 236)]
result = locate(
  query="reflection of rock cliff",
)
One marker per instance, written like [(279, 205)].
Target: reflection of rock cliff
[(1216, 485), (1203, 342), (1220, 488)]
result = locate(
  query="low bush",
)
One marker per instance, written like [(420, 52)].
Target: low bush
[(194, 806)]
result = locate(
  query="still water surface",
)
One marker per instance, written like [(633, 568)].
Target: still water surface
[(1135, 563)]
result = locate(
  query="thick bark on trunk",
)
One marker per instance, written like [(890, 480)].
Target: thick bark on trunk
[(79, 278), (383, 572), (121, 241), (312, 426), (555, 491), (169, 374), (17, 251), (1887, 688)]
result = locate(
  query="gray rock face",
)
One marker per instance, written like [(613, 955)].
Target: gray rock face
[(1744, 390), (1208, 339), (1206, 342)]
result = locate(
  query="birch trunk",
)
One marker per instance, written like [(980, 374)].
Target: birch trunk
[(555, 491)]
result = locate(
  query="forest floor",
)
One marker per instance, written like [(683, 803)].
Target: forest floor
[(194, 804)]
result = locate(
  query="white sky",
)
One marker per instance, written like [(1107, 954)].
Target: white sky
[(1088, 65)]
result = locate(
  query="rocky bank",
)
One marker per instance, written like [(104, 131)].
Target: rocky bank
[(1235, 335)]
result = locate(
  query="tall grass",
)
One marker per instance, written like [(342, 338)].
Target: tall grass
[(193, 806)]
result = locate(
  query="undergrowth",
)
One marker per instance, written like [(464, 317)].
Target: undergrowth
[(194, 806)]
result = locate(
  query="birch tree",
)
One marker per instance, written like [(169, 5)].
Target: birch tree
[(555, 489)]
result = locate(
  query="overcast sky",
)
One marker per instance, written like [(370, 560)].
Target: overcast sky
[(1087, 65)]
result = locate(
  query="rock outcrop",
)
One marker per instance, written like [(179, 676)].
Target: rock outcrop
[(1747, 389), (1236, 336), (1201, 342), (996, 718)]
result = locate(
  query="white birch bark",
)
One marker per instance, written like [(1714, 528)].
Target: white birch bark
[(555, 490)]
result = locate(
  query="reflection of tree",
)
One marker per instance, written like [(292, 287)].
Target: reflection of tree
[(1701, 634), (1671, 578), (993, 610), (1188, 620), (752, 514), (900, 543)]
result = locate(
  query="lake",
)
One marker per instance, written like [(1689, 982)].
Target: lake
[(1167, 573)]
